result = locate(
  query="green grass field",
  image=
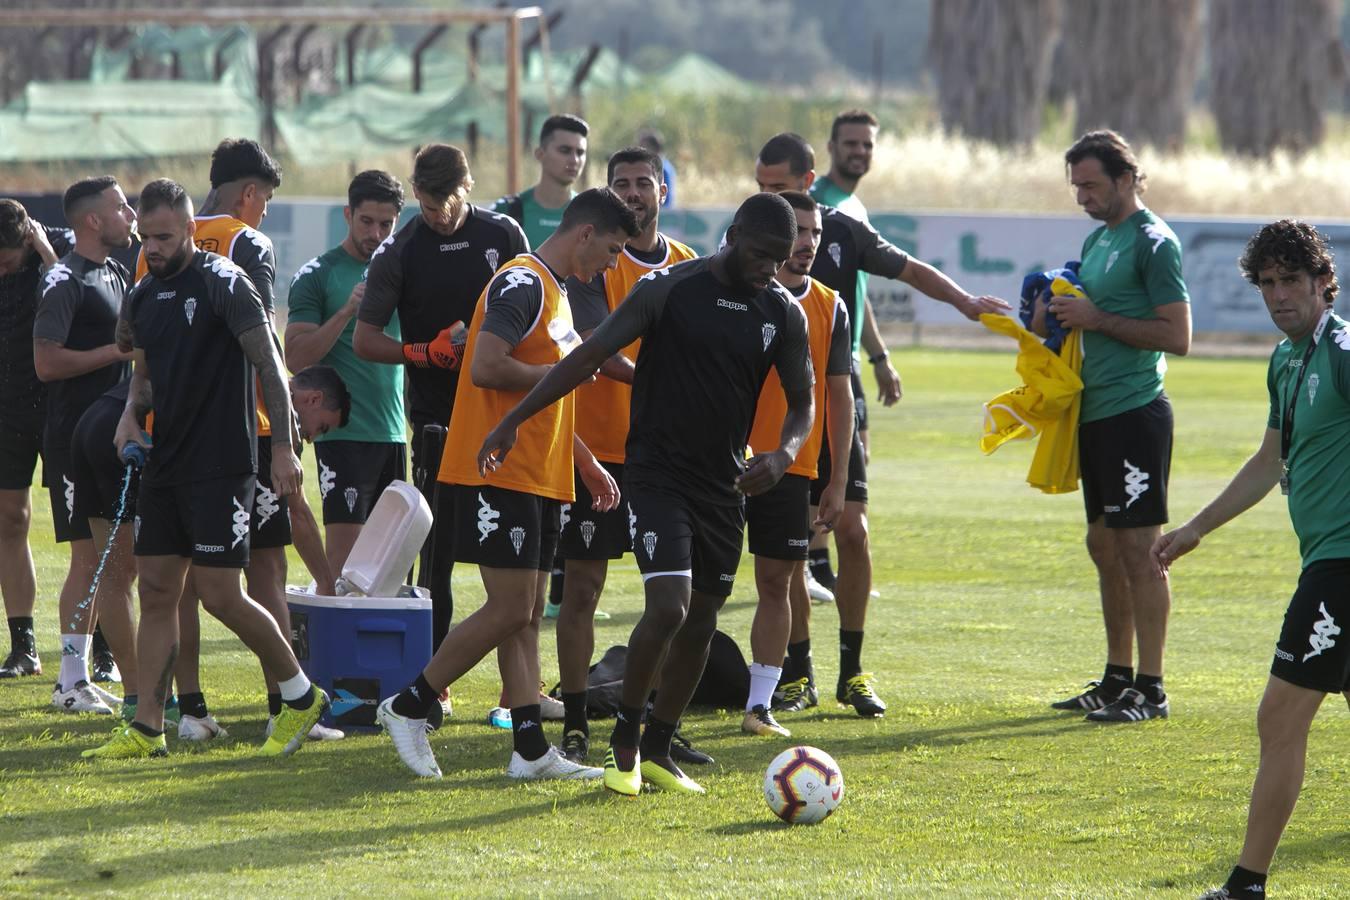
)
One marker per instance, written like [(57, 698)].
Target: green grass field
[(969, 787)]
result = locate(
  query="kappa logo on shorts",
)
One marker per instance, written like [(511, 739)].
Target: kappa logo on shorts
[(517, 538), (564, 515), (70, 498), (799, 542), (487, 519), (649, 543), (266, 504), (587, 528), (1323, 631), (327, 480), (190, 308), (767, 332), (1136, 483), (835, 253), (632, 525), (492, 257), (350, 494), (240, 524)]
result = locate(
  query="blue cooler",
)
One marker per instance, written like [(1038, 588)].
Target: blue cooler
[(360, 649)]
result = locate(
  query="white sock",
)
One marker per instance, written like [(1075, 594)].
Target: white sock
[(74, 659), (294, 688), (763, 679)]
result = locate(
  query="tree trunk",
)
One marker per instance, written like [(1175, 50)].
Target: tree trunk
[(1273, 66), (992, 59), (1132, 66)]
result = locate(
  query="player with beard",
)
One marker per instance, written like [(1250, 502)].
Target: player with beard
[(711, 329), (591, 539), (431, 273), (201, 337), (75, 354), (787, 162), (27, 248)]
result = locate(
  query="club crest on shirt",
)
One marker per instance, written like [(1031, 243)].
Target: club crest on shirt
[(190, 308), (767, 332), (492, 257), (1111, 260), (835, 253), (1313, 381)]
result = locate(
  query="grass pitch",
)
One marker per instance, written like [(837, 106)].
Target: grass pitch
[(969, 787)]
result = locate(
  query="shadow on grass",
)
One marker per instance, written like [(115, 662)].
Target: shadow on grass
[(750, 826)]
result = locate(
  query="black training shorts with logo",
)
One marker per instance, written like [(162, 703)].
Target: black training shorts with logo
[(353, 474), (779, 521), (589, 534), (1125, 463), (99, 475), (856, 490), (59, 475), (504, 529), (20, 448), (1313, 651), (271, 520), (207, 521), (675, 535)]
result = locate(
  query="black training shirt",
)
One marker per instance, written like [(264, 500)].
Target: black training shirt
[(23, 398), (847, 247)]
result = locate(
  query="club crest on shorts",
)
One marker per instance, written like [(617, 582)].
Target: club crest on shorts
[(492, 257), (136, 528), (190, 308), (517, 538), (835, 253), (350, 495), (649, 543), (767, 332), (587, 528)]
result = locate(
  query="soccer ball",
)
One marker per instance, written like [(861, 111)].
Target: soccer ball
[(803, 785)]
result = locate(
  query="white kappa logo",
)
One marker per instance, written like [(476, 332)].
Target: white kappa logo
[(350, 494), (1323, 631), (492, 257), (327, 480), (1157, 233), (587, 532), (226, 271), (564, 515), (1342, 337), (240, 523), (190, 308), (70, 498), (632, 524), (835, 253), (649, 543), (311, 266), (487, 519), (1313, 381), (517, 538), (1136, 483), (516, 277), (767, 332), (58, 273), (266, 504)]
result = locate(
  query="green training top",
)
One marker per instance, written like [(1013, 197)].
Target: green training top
[(1129, 270), (1319, 452), (318, 291), (537, 221), (824, 190)]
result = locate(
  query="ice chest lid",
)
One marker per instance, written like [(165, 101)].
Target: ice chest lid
[(415, 598)]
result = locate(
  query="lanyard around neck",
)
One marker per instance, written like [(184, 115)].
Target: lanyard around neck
[(1287, 420)]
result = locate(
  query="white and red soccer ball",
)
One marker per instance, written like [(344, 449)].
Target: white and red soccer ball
[(803, 785)]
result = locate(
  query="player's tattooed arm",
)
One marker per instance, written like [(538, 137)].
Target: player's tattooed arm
[(140, 400), (259, 345)]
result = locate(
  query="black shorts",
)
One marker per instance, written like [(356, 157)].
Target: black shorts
[(100, 477), (20, 447), (676, 535), (59, 475), (207, 521), (856, 490), (353, 474), (859, 397), (779, 522), (270, 523), (1126, 460), (1313, 651), (504, 529), (587, 534)]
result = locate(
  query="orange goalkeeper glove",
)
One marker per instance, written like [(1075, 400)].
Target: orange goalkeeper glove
[(446, 351)]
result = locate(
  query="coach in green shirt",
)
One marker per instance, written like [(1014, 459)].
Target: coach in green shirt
[(562, 155), (1137, 310), (356, 463), (1306, 450)]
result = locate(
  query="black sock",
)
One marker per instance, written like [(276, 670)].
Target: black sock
[(21, 633), (274, 704), (129, 700), (193, 705), (99, 645), (1117, 679), (301, 702), (574, 712), (1241, 882), (800, 654), (850, 653), (146, 730), (555, 583), (527, 732), (821, 570), (415, 700), (626, 723), (656, 739), (1151, 687)]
